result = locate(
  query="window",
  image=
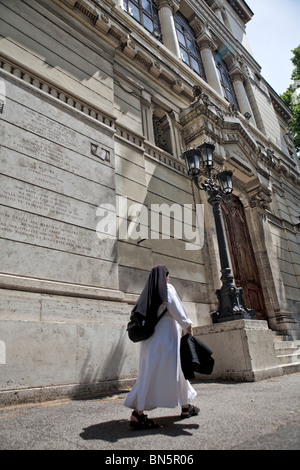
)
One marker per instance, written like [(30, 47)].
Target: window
[(190, 52), (162, 130), (225, 80), (146, 13)]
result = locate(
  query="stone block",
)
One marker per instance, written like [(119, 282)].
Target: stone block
[(42, 360), (243, 350)]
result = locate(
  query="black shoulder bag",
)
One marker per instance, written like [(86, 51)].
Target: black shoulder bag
[(139, 329)]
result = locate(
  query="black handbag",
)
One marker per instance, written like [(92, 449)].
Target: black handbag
[(139, 328)]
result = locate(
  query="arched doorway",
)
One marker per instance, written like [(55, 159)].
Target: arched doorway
[(243, 261)]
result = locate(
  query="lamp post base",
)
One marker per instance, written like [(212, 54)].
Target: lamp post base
[(232, 306)]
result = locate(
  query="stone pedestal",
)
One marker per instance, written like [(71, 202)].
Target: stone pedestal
[(243, 350)]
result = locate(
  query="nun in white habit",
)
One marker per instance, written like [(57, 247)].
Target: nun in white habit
[(160, 381)]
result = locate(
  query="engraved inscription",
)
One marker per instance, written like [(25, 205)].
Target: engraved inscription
[(33, 199), (84, 162), (48, 128), (28, 228)]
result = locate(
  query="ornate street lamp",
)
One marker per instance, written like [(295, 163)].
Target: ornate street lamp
[(219, 187)]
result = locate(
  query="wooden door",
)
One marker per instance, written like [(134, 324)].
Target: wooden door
[(242, 256)]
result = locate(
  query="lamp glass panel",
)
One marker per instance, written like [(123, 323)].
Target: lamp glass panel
[(225, 180), (192, 161), (207, 154)]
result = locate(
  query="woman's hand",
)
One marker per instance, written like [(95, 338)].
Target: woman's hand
[(189, 330)]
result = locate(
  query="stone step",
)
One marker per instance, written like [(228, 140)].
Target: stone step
[(291, 368), (288, 358), (289, 343), (286, 345), (280, 338), (288, 353)]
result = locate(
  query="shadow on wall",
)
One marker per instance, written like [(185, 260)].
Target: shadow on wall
[(103, 365), (52, 46)]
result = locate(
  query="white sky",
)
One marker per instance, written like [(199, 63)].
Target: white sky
[(273, 33)]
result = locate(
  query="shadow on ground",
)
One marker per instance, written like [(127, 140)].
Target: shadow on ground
[(113, 431)]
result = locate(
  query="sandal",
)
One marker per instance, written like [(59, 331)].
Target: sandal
[(142, 422), (191, 410)]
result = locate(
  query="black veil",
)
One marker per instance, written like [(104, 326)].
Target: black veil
[(154, 293)]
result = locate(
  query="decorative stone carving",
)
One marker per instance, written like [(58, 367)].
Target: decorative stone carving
[(155, 69), (266, 156), (159, 134), (100, 152), (173, 4), (86, 10), (129, 48), (196, 24), (232, 110), (260, 197), (203, 98)]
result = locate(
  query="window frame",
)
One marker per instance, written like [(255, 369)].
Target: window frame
[(143, 14), (189, 49), (225, 80)]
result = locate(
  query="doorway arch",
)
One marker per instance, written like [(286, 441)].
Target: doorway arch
[(242, 256)]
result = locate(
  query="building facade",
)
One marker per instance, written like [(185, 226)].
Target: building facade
[(99, 99)]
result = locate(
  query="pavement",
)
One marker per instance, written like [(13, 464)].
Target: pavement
[(233, 416)]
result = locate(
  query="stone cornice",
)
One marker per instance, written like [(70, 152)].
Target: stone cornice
[(156, 69), (280, 107), (241, 9), (47, 87)]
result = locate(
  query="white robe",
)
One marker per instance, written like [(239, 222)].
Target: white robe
[(160, 381)]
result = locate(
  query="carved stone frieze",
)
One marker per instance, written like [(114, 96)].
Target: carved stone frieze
[(266, 156), (87, 10), (203, 105)]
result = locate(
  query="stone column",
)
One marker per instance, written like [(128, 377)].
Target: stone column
[(206, 47), (166, 10), (238, 84), (217, 9)]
